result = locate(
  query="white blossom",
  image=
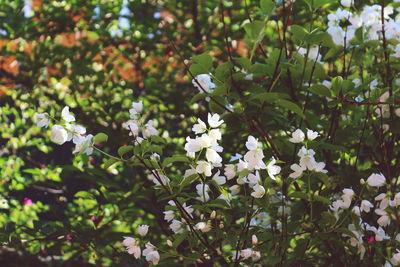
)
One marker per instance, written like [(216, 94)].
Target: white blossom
[(214, 120), (297, 136), (273, 169), (132, 247), (143, 229), (43, 120), (66, 115), (84, 145), (59, 134), (376, 180), (311, 135), (258, 192), (151, 254), (203, 82), (199, 127)]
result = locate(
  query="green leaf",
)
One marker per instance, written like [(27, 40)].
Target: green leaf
[(320, 89), (100, 137), (269, 97), (290, 106), (204, 60), (244, 62), (267, 6), (223, 71), (337, 84), (255, 29), (124, 149), (188, 180), (177, 158), (299, 32), (109, 163), (158, 139), (322, 199)]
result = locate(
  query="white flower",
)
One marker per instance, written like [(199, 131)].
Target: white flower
[(380, 234), (203, 82), (219, 179), (258, 192), (143, 229), (348, 192), (59, 134), (169, 215), (215, 135), (75, 132), (149, 130), (213, 120), (176, 226), (254, 159), (235, 189), (252, 143), (83, 145), (241, 165), (312, 53), (204, 167), (253, 179), (273, 169), (131, 247), (311, 135), (200, 127), (137, 107), (298, 170), (366, 206), (66, 115), (297, 136), (235, 157), (254, 240), (396, 258), (346, 3), (356, 210), (43, 120), (230, 172), (151, 254), (133, 128), (246, 253), (204, 227), (398, 237), (213, 157), (384, 220), (376, 180), (202, 191)]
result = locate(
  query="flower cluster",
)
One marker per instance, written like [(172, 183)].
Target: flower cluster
[(369, 21), (132, 246), (137, 125), (307, 160), (68, 131)]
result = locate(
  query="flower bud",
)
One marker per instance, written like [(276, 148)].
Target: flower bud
[(213, 214), (143, 229), (254, 240), (169, 243)]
